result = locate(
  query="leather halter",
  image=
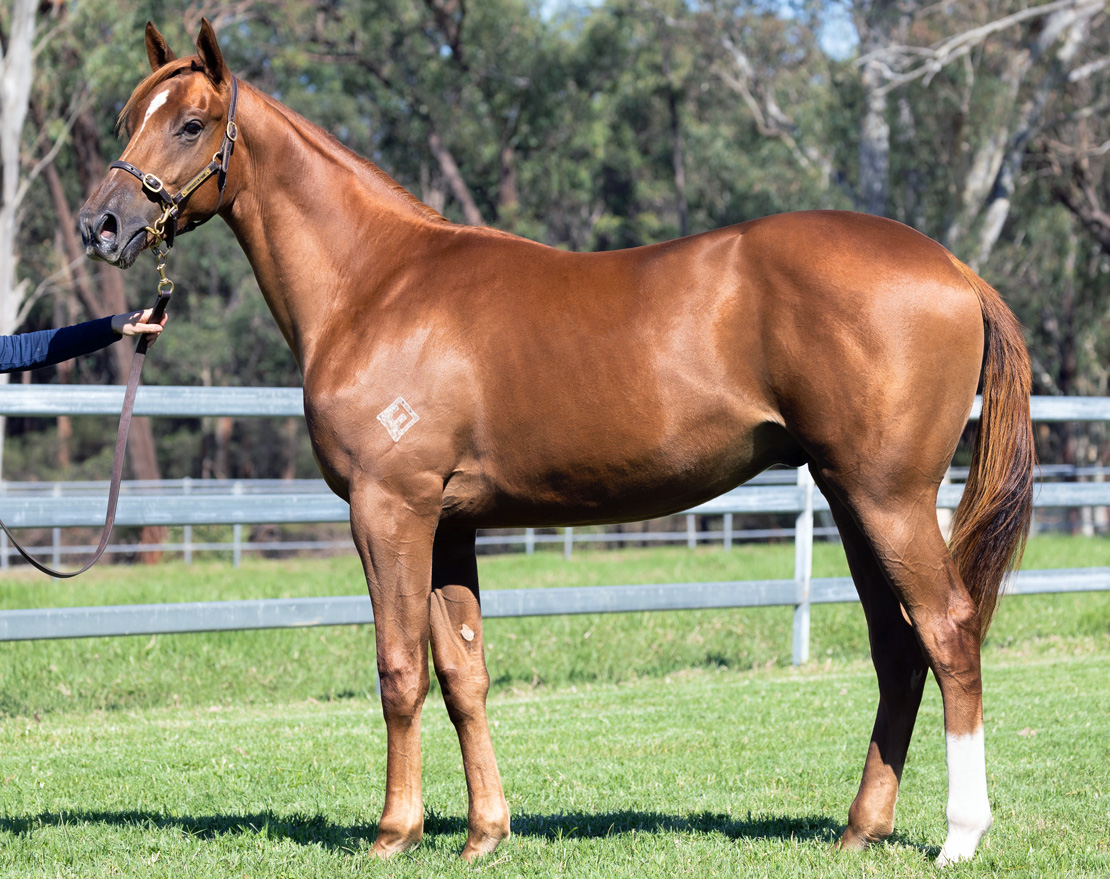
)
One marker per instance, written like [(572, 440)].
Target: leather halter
[(166, 227)]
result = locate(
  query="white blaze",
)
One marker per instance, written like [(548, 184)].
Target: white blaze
[(155, 104)]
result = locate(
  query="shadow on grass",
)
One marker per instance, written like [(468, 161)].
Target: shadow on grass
[(302, 829), (589, 825), (318, 830)]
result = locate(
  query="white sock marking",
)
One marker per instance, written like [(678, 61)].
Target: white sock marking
[(969, 811)]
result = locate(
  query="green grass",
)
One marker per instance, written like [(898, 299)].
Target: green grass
[(329, 663), (630, 744), (113, 674), (701, 774)]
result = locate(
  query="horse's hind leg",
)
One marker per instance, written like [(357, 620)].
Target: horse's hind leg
[(456, 625), (902, 532), (901, 670)]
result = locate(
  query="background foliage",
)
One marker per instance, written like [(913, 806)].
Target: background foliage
[(594, 126)]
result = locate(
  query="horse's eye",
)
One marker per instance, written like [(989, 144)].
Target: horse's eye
[(192, 128)]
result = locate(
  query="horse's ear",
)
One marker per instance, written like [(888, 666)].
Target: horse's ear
[(157, 49), (210, 55)]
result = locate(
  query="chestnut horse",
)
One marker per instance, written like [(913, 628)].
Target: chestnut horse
[(458, 378)]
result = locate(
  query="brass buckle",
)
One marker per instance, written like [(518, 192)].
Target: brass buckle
[(152, 183), (232, 130)]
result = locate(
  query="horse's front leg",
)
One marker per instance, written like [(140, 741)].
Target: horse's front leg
[(394, 538), (456, 619)]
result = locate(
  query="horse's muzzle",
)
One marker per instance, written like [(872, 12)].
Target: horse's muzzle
[(108, 238)]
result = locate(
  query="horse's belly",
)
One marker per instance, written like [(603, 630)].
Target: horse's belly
[(606, 482)]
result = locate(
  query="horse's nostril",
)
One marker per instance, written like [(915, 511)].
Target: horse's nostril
[(108, 228)]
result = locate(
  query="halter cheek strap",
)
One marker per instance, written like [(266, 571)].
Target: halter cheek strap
[(155, 189)]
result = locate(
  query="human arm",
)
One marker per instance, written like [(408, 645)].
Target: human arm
[(47, 347)]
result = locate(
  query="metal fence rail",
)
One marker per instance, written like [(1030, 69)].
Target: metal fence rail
[(353, 610), (36, 505), (144, 504)]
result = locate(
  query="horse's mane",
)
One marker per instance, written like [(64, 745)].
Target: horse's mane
[(144, 88), (325, 137)]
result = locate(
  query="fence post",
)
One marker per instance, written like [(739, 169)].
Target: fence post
[(568, 542), (803, 567), (530, 541), (691, 532), (728, 531)]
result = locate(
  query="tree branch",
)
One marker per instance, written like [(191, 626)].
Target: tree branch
[(451, 173), (904, 64), (79, 106), (1076, 188), (770, 120)]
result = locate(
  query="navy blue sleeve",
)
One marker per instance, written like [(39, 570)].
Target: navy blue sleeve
[(47, 347)]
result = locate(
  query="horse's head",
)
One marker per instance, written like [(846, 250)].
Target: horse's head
[(174, 170)]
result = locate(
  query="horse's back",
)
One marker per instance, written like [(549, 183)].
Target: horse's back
[(666, 374)]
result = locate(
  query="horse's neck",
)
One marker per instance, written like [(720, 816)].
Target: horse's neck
[(318, 223)]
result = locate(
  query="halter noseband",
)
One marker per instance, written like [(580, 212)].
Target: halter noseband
[(166, 226)]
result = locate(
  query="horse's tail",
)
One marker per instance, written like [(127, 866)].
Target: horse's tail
[(992, 520)]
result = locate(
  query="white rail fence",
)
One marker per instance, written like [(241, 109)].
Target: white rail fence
[(303, 501)]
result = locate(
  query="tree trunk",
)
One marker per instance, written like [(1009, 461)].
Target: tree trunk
[(290, 431), (16, 64), (455, 182), (1071, 28), (63, 316), (876, 23), (678, 164), (990, 185), (508, 193), (224, 424), (432, 192), (874, 143), (678, 160)]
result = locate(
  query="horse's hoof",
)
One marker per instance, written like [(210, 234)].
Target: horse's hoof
[(959, 846), (388, 846), (853, 841), (481, 846)]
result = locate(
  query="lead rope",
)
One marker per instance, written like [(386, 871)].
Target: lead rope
[(165, 291)]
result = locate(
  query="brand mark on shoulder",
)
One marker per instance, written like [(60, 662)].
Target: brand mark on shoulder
[(397, 418)]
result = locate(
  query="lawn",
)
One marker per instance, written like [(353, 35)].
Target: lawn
[(631, 745)]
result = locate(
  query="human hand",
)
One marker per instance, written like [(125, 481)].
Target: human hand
[(137, 323)]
